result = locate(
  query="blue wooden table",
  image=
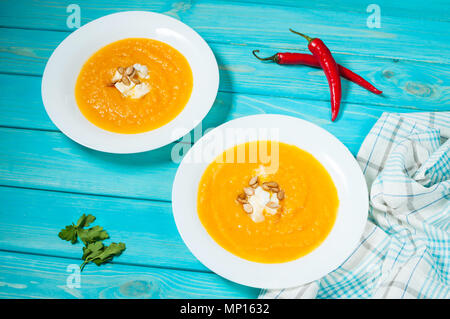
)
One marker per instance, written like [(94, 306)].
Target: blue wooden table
[(47, 181)]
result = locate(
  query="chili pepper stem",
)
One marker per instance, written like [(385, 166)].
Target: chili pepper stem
[(270, 58), (309, 39)]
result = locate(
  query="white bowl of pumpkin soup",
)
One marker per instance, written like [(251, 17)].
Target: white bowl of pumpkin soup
[(270, 201), (130, 82)]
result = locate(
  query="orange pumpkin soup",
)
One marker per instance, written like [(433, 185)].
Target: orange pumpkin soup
[(134, 85), (263, 212)]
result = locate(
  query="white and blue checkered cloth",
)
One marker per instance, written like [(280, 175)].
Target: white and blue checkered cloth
[(404, 250)]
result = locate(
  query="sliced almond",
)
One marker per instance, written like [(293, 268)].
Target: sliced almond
[(126, 80), (114, 81), (242, 201), (248, 208), (253, 181), (120, 70), (272, 205), (135, 80), (271, 184), (275, 189), (129, 71), (242, 198), (265, 187), (249, 191), (280, 195)]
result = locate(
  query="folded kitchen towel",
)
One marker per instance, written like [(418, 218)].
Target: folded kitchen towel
[(404, 250)]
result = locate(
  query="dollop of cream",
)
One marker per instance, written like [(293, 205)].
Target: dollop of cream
[(132, 90), (259, 201), (142, 70)]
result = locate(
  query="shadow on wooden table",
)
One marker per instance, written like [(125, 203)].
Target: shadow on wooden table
[(160, 155), (222, 106)]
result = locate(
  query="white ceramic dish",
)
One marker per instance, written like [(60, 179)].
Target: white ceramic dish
[(64, 65), (339, 162)]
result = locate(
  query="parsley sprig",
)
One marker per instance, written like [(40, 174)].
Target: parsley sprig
[(94, 250)]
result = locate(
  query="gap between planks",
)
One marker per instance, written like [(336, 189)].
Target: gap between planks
[(87, 194), (263, 46), (207, 271)]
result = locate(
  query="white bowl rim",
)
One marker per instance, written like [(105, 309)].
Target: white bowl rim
[(345, 172), (160, 27)]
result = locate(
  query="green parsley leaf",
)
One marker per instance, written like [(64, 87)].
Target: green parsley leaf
[(69, 233), (99, 254), (94, 250), (85, 221), (93, 234), (110, 251)]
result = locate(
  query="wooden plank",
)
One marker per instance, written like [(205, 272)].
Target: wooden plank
[(49, 160), (30, 221), (403, 37), (423, 10), (21, 107), (24, 13), (32, 276), (410, 84)]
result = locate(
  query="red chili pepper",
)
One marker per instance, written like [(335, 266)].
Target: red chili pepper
[(310, 60), (329, 66)]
